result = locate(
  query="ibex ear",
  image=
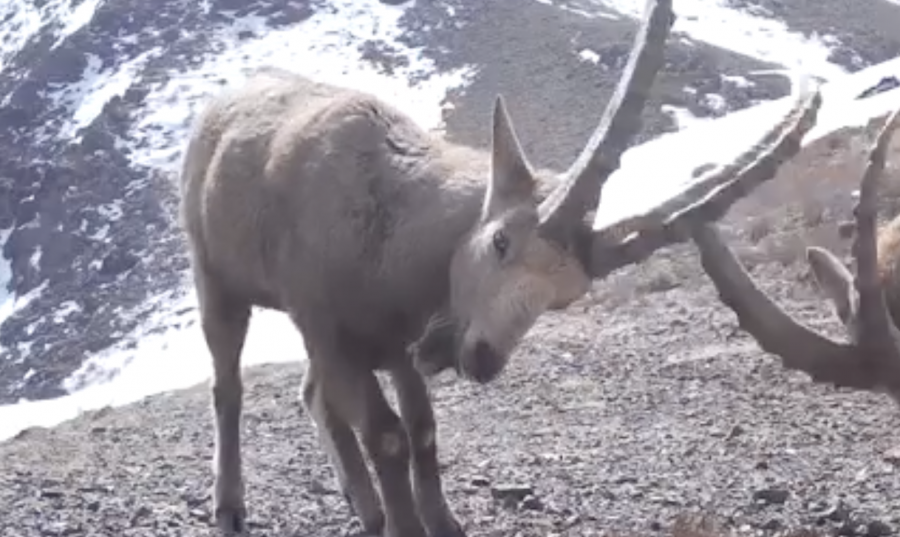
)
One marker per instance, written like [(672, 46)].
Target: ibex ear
[(511, 180), (836, 281)]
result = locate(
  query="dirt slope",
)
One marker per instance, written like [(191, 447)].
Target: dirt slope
[(640, 403)]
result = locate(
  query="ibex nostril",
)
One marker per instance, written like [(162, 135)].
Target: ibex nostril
[(484, 363)]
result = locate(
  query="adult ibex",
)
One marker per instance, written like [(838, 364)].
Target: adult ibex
[(391, 248), (867, 304)]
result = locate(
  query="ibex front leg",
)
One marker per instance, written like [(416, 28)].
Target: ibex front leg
[(418, 416)]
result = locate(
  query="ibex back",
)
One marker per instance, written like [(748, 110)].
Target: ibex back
[(392, 249)]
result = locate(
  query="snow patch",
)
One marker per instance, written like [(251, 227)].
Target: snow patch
[(324, 47), (739, 81), (715, 102), (589, 10), (22, 21), (588, 55), (682, 117), (35, 259), (167, 353), (640, 184), (86, 98), (753, 32), (111, 211), (64, 310), (73, 19)]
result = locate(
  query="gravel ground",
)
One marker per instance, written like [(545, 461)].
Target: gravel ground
[(638, 404)]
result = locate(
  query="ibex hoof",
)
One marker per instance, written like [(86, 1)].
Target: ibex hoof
[(371, 517), (410, 529), (450, 528), (231, 521)]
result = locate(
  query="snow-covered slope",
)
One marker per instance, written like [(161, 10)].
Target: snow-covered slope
[(97, 96)]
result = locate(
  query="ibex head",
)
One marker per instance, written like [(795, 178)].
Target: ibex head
[(527, 255), (506, 273)]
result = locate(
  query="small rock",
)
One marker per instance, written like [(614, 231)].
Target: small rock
[(317, 487), (846, 229), (533, 503), (139, 513), (625, 479), (851, 529), (514, 491), (892, 456), (838, 512), (51, 494), (735, 431), (117, 262), (771, 496), (480, 481), (877, 528), (886, 83)]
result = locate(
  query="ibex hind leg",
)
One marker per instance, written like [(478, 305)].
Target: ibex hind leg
[(351, 394), (342, 448), (387, 443), (224, 321), (418, 415)]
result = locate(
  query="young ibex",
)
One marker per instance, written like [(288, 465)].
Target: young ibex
[(384, 243), (867, 304)]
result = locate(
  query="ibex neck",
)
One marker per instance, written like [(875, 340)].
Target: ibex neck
[(442, 203), (458, 181)]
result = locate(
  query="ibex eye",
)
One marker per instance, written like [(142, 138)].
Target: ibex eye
[(501, 243)]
